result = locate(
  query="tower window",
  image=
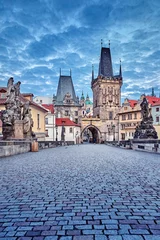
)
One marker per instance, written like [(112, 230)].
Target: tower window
[(110, 115)]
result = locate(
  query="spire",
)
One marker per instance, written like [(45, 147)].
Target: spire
[(82, 97), (109, 43), (60, 71), (105, 65), (153, 95), (120, 69), (87, 98), (70, 72), (92, 72)]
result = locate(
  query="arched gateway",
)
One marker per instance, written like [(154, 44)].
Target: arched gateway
[(91, 134)]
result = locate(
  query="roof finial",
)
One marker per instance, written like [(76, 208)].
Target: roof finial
[(70, 72), (153, 95), (120, 69), (92, 72), (60, 72), (109, 43), (101, 43)]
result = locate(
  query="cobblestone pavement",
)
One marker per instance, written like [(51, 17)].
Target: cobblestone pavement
[(87, 192)]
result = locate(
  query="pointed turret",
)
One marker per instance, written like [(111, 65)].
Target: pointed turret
[(120, 69), (82, 96), (92, 72), (87, 98), (153, 95)]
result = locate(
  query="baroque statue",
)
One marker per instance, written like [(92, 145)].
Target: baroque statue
[(145, 129), (17, 116)]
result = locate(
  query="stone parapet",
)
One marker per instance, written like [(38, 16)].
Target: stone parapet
[(9, 148), (147, 145)]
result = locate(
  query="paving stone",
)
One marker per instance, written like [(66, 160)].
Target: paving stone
[(97, 192), (132, 237)]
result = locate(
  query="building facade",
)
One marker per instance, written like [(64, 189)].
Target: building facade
[(50, 123), (156, 117), (66, 103), (130, 116), (67, 130)]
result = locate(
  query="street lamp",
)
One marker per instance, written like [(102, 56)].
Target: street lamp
[(113, 127), (56, 132)]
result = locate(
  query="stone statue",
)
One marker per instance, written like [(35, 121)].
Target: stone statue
[(145, 129), (15, 121)]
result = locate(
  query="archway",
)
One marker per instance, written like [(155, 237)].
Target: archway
[(91, 134)]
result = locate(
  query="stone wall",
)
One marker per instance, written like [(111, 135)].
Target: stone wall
[(147, 145), (9, 148)]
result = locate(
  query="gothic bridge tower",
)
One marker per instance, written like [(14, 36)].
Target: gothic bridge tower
[(106, 88), (106, 101)]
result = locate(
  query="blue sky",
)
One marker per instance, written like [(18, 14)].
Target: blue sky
[(38, 37)]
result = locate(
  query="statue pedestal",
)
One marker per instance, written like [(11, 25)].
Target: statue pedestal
[(18, 129)]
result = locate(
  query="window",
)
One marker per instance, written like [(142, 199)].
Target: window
[(110, 116), (40, 101), (129, 116), (123, 136), (123, 126), (135, 116), (76, 113), (66, 113), (68, 101), (157, 109), (76, 120), (123, 117), (70, 130), (46, 120), (3, 95), (38, 121), (157, 119)]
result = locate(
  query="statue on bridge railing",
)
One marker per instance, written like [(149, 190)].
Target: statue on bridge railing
[(145, 129), (13, 121)]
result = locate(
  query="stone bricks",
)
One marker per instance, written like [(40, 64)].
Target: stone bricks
[(97, 193)]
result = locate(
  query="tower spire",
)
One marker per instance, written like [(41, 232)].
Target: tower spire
[(120, 69), (153, 95), (70, 72), (60, 71), (92, 72)]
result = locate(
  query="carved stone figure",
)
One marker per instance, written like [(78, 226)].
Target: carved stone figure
[(13, 120), (145, 129)]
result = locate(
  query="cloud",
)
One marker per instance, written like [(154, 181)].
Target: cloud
[(39, 37)]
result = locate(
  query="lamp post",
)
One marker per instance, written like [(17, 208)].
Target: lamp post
[(113, 127), (56, 132)]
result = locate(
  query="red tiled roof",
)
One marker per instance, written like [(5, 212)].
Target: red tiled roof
[(132, 103), (157, 103), (152, 100), (49, 107), (65, 122)]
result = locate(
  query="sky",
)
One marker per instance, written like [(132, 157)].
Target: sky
[(38, 37)]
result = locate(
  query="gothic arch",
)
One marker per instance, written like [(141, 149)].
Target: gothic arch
[(94, 134)]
